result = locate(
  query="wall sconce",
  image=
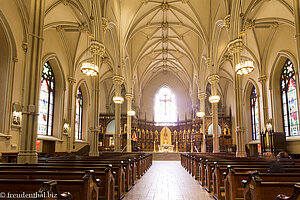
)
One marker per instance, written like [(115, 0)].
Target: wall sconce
[(118, 100), (131, 113), (200, 114), (66, 127)]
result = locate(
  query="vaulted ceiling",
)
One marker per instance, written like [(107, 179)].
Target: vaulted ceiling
[(148, 37)]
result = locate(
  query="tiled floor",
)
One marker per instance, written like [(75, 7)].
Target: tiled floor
[(167, 180)]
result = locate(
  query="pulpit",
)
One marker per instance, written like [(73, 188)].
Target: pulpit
[(165, 140)]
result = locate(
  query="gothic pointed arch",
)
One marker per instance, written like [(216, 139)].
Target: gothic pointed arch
[(289, 99), (165, 107)]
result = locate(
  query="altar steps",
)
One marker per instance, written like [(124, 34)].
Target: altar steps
[(164, 156)]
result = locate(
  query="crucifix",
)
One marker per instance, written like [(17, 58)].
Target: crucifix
[(165, 100)]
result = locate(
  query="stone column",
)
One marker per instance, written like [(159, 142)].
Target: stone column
[(27, 151), (263, 82), (98, 50), (117, 80), (71, 139), (129, 98), (192, 144), (95, 118), (213, 80), (202, 97), (235, 48)]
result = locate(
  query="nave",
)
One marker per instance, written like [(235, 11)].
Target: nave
[(167, 180)]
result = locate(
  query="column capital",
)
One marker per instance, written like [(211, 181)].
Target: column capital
[(208, 61), (227, 21), (202, 96), (235, 46), (262, 79), (97, 48), (118, 80), (129, 96), (213, 79), (71, 80), (104, 24)]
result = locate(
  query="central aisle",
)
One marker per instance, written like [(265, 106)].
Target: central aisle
[(167, 180)]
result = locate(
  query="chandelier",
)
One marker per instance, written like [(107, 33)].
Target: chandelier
[(214, 99), (89, 68), (244, 67)]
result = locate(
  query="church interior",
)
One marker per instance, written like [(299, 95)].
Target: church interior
[(150, 99)]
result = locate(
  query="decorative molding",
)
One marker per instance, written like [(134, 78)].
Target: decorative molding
[(202, 96), (164, 6), (118, 80), (129, 96), (227, 21), (262, 79), (6, 136), (65, 2), (83, 28), (164, 26), (97, 48), (235, 46), (25, 46), (104, 24), (213, 78), (71, 80)]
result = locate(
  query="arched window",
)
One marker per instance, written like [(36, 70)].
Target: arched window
[(165, 108), (79, 115), (254, 114), (46, 106), (289, 99)]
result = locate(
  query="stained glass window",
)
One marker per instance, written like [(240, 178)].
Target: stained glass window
[(165, 109), (46, 106), (289, 99), (79, 115), (254, 114)]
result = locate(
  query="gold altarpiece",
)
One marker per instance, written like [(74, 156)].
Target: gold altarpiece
[(165, 140)]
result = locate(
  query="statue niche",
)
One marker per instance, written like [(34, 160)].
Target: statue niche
[(165, 140)]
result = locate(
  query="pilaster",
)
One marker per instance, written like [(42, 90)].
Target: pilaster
[(263, 82), (202, 97), (117, 80), (27, 151), (235, 47), (129, 98), (213, 80)]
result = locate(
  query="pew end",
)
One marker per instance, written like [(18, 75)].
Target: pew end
[(295, 196)]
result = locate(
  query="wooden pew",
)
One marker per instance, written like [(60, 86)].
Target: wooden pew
[(143, 161), (218, 180), (233, 180), (295, 196), (107, 185), (120, 179), (268, 186), (50, 187), (84, 188), (129, 167), (209, 166)]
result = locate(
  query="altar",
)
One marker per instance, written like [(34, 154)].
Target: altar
[(165, 148), (165, 140)]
